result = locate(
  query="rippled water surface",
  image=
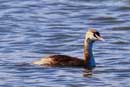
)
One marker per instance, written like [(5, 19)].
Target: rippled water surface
[(31, 29)]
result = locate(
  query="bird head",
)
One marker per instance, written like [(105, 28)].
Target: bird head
[(93, 35)]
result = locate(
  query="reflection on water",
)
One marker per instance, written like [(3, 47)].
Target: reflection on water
[(87, 73), (31, 29)]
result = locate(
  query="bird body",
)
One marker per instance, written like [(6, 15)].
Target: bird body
[(63, 60)]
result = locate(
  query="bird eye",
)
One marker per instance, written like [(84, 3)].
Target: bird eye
[(96, 34)]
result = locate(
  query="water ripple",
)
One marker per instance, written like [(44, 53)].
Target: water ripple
[(31, 29)]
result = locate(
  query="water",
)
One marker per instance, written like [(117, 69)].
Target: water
[(31, 29)]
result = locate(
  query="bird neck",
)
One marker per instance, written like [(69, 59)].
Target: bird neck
[(89, 60)]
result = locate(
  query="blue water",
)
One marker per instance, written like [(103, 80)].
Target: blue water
[(32, 29)]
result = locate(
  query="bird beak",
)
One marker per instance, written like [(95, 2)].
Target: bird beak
[(100, 38)]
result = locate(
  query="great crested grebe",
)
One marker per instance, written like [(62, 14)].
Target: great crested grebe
[(63, 60)]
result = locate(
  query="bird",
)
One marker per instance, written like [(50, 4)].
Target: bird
[(88, 62)]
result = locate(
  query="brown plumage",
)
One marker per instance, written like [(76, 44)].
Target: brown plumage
[(63, 60)]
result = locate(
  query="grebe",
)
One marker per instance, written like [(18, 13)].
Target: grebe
[(91, 36)]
